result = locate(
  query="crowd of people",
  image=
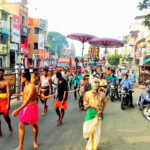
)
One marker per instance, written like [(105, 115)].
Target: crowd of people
[(90, 85)]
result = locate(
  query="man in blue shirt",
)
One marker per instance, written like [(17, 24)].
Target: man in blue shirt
[(132, 77), (77, 77), (126, 83)]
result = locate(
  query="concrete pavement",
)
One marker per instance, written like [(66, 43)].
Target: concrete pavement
[(121, 130)]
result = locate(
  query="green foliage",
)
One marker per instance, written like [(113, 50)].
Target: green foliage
[(56, 42), (144, 4), (114, 59), (147, 21)]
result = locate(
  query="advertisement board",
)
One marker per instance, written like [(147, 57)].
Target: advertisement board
[(41, 41), (4, 27), (3, 49), (24, 2), (43, 24), (15, 31), (14, 47)]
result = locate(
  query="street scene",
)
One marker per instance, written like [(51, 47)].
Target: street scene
[(74, 75), (120, 130)]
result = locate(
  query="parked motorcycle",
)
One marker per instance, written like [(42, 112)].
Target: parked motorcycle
[(144, 103), (125, 95)]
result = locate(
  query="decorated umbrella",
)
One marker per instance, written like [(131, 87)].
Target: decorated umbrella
[(81, 37), (106, 43)]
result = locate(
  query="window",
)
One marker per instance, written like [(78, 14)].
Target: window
[(3, 39), (36, 31), (35, 45), (4, 16)]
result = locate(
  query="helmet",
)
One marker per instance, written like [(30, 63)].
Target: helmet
[(148, 89)]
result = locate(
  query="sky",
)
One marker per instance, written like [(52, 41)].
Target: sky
[(102, 18)]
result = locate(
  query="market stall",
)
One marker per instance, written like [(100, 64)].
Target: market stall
[(144, 72)]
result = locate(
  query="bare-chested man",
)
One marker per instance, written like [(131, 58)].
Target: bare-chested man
[(45, 86), (28, 111), (5, 101)]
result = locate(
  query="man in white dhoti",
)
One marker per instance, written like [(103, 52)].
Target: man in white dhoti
[(94, 104)]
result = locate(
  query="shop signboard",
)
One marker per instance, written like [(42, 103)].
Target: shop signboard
[(13, 46), (4, 27), (15, 31), (41, 41), (24, 2), (43, 24), (3, 49)]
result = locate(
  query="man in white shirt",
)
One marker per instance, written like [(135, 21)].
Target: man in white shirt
[(54, 82)]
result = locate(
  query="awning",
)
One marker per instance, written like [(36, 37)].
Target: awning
[(146, 61)]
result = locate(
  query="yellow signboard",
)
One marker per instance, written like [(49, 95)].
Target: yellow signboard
[(3, 49)]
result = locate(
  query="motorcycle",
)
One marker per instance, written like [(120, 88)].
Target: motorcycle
[(144, 103), (113, 92), (124, 95)]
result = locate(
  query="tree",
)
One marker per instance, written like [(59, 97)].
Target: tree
[(145, 4), (56, 42), (114, 60)]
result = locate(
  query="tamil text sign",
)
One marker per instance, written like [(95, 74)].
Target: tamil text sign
[(15, 32)]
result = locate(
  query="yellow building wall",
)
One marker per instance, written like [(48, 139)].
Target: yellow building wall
[(17, 9)]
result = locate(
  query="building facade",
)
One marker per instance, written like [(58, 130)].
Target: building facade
[(5, 18), (38, 52), (19, 33)]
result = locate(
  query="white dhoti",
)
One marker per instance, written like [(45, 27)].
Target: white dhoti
[(92, 133)]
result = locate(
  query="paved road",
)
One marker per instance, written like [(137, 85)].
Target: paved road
[(122, 130)]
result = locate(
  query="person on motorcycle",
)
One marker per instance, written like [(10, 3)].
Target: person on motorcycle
[(113, 81), (103, 83), (126, 83), (108, 73), (145, 99)]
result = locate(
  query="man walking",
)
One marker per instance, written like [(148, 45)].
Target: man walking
[(45, 85), (5, 101), (94, 104), (28, 111), (61, 101)]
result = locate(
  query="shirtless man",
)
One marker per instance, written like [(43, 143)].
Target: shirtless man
[(28, 111), (83, 88), (44, 86), (5, 101)]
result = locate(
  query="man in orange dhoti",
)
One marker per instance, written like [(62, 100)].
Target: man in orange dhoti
[(28, 111)]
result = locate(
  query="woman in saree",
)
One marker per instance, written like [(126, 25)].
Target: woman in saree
[(94, 104)]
